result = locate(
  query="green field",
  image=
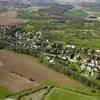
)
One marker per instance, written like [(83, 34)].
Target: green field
[(27, 15), (62, 94), (4, 92), (93, 43), (75, 13)]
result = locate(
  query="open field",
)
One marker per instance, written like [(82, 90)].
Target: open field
[(75, 14), (15, 82), (62, 94), (9, 17), (29, 68), (34, 8), (93, 43)]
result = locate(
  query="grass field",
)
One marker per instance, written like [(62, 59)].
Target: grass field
[(93, 43), (4, 92), (27, 15), (75, 14), (62, 94)]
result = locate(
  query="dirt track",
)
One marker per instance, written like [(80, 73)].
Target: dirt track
[(30, 68)]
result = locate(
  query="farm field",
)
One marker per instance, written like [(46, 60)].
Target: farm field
[(10, 18), (93, 43), (34, 8), (62, 94), (13, 64), (16, 82), (76, 14), (27, 15)]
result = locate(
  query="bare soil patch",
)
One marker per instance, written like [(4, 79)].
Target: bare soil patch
[(9, 18), (16, 82)]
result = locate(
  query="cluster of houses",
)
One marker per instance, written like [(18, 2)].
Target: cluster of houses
[(26, 41), (91, 63), (87, 58), (5, 28)]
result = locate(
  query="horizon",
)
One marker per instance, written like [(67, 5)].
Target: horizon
[(53, 0)]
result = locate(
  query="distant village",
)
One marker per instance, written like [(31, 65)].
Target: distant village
[(11, 5), (88, 59)]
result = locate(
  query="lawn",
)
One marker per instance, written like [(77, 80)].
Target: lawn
[(75, 14), (4, 92), (62, 94)]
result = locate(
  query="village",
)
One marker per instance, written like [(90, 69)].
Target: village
[(49, 50), (87, 59)]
